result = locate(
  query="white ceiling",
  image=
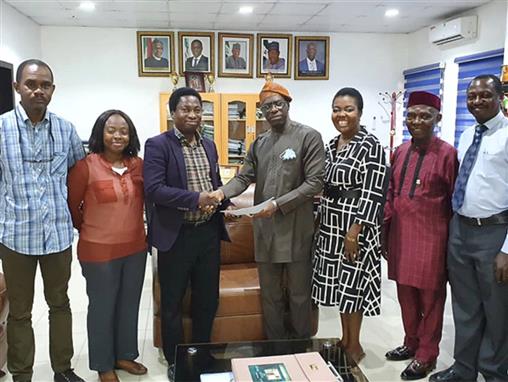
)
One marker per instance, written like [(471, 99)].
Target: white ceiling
[(268, 15)]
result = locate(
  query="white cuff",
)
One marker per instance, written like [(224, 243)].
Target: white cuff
[(504, 248)]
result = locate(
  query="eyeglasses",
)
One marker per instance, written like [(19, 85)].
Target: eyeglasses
[(277, 104), (31, 158)]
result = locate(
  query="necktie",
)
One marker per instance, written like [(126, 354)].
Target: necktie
[(466, 168), (195, 62)]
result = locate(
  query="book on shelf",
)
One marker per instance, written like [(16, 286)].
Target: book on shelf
[(283, 368), (207, 131), (207, 109)]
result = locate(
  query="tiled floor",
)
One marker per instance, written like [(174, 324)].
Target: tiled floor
[(379, 334)]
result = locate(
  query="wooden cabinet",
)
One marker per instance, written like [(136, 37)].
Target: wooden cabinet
[(232, 120)]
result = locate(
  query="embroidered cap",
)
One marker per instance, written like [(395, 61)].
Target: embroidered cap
[(271, 88), (269, 45)]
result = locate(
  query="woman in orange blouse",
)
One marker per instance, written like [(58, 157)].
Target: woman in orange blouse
[(106, 204)]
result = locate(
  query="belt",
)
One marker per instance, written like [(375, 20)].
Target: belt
[(334, 192), (500, 218), (195, 224)]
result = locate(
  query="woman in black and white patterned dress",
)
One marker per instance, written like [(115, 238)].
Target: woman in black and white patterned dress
[(347, 261)]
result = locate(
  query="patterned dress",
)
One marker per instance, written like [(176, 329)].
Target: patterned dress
[(360, 165)]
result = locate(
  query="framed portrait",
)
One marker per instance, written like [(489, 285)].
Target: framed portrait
[(196, 81), (196, 51), (312, 57), (274, 55), (155, 53), (235, 55)]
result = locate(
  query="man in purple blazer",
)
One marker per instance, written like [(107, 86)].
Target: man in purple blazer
[(180, 170)]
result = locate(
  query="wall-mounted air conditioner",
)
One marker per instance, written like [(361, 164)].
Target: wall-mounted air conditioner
[(462, 28)]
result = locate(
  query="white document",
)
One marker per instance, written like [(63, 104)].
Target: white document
[(249, 210), (217, 377)]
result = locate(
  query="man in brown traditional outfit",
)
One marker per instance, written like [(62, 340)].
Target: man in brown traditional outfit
[(287, 164)]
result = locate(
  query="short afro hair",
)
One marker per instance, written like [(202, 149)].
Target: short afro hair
[(498, 86), (174, 100), (32, 61), (351, 92)]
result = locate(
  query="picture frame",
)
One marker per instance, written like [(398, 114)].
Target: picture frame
[(236, 55), (196, 81), (204, 52), (156, 56), (278, 63), (312, 57)]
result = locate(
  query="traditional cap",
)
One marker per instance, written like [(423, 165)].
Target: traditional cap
[(271, 88), (236, 46), (269, 45), (424, 98)]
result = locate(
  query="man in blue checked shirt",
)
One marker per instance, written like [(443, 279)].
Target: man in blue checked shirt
[(36, 150)]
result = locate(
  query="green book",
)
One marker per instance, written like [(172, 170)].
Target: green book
[(275, 372)]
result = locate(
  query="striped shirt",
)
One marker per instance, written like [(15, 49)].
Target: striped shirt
[(34, 160), (198, 172)]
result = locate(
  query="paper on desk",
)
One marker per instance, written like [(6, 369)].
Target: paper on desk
[(249, 210)]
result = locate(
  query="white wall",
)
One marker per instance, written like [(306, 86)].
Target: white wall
[(20, 37), (492, 20), (96, 69)]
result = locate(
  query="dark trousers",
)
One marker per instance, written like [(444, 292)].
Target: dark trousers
[(480, 304), (19, 273), (274, 300), (114, 291), (194, 258), (422, 316)]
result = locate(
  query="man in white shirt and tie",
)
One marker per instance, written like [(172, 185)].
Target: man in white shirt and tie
[(198, 62), (478, 241), (310, 64)]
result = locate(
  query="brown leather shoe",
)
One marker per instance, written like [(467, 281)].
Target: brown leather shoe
[(417, 370), (108, 376), (131, 367)]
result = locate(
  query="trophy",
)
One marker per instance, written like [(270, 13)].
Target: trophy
[(173, 76), (269, 77), (211, 80)]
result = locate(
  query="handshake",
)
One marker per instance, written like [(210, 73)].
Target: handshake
[(209, 201)]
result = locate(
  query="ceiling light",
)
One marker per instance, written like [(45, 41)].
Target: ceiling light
[(245, 10), (87, 6), (391, 12)]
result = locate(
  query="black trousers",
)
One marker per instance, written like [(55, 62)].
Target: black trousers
[(194, 258)]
